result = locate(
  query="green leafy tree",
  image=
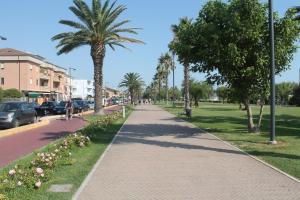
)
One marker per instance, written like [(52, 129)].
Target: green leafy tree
[(222, 93), (98, 28), (284, 91), (231, 45), (133, 83), (298, 12), (199, 90), (180, 45), (176, 93), (12, 93), (295, 100)]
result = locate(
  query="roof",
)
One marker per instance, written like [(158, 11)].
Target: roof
[(13, 52)]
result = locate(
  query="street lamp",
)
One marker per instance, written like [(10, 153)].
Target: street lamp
[(70, 74), (3, 38), (272, 74)]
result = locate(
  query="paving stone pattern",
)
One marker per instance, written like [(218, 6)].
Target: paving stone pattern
[(158, 157)]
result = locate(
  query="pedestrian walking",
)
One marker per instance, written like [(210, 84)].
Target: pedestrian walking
[(69, 110)]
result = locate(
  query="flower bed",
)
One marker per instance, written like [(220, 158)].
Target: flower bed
[(39, 170)]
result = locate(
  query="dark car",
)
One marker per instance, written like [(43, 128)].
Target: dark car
[(14, 114), (80, 105), (60, 108), (46, 108)]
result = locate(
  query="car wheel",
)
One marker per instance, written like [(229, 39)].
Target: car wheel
[(15, 123)]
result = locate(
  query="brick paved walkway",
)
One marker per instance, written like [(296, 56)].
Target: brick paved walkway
[(158, 157)]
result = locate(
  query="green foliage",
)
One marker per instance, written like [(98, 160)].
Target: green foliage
[(231, 45), (222, 93), (12, 93), (295, 100), (177, 93), (284, 91), (133, 83), (200, 90)]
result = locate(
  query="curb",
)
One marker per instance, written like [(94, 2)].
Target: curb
[(236, 148), (90, 174), (14, 131)]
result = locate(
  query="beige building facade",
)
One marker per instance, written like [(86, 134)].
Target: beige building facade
[(33, 75)]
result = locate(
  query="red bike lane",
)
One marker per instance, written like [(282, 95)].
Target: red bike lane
[(16, 146)]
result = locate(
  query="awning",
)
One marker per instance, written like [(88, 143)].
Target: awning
[(33, 94)]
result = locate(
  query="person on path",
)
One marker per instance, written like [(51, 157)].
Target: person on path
[(69, 110)]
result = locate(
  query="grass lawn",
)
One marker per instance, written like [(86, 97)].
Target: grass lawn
[(73, 174), (229, 123)]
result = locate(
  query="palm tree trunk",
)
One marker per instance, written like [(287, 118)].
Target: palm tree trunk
[(167, 90), (186, 87), (98, 53)]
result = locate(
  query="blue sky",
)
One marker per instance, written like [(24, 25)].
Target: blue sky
[(29, 25)]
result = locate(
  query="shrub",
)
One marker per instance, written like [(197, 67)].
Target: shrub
[(12, 93)]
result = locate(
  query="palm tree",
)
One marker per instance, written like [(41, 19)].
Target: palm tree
[(159, 76), (166, 63), (98, 28), (133, 82), (178, 46)]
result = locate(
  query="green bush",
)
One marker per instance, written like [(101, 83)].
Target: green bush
[(12, 93)]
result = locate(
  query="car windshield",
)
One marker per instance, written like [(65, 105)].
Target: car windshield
[(47, 103), (9, 107), (62, 103), (79, 102)]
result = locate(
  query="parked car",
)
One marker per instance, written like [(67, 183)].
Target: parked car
[(14, 114), (79, 106), (91, 104), (46, 108), (60, 108)]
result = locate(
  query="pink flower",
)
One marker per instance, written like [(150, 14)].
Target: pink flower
[(12, 172), (39, 170), (38, 184)]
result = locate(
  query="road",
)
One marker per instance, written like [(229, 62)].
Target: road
[(16, 146)]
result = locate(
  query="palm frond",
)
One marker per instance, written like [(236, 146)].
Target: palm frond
[(72, 24)]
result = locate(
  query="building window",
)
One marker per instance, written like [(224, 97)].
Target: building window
[(2, 81), (30, 81), (37, 82)]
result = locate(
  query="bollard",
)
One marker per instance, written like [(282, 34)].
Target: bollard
[(124, 114)]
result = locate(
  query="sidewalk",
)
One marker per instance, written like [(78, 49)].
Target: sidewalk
[(158, 157)]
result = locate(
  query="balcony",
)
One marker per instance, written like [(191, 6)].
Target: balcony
[(57, 78), (44, 74)]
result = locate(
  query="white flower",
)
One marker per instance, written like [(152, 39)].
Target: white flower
[(42, 154), (56, 150), (5, 181), (70, 153), (38, 184), (81, 144), (47, 160), (87, 137), (42, 175), (19, 183), (39, 170), (12, 172)]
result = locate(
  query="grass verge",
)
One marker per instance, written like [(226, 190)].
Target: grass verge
[(84, 160), (229, 123)]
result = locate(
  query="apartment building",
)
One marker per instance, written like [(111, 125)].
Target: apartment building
[(33, 75), (85, 89)]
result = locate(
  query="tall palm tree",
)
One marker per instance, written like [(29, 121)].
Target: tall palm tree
[(97, 28), (133, 82), (178, 46), (166, 63), (159, 76)]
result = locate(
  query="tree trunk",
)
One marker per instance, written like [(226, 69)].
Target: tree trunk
[(260, 115), (251, 127), (159, 90), (98, 53), (186, 87), (131, 97), (167, 89)]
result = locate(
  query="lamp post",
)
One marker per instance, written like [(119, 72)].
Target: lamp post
[(272, 74), (70, 74)]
